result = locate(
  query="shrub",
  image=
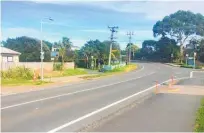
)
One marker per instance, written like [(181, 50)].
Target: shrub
[(57, 66), (199, 125), (17, 73)]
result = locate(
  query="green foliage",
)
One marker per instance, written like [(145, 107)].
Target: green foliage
[(187, 66), (16, 82), (17, 73), (65, 52), (28, 47), (160, 50), (82, 63), (199, 123), (57, 66), (181, 25), (100, 50), (71, 72), (201, 50)]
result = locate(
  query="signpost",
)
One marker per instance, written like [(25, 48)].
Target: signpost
[(186, 59)]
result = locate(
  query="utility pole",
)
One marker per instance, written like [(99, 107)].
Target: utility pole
[(41, 46), (129, 34), (113, 30)]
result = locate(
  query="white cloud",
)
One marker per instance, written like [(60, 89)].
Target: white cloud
[(96, 30), (78, 42), (22, 31), (153, 10)]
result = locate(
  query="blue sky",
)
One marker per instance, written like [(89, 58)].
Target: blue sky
[(85, 20)]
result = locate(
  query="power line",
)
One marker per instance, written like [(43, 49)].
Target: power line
[(129, 34), (113, 30)]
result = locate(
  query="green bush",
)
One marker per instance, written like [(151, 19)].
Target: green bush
[(57, 66), (17, 73), (199, 124), (81, 63)]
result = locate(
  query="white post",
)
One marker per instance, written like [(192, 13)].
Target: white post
[(194, 59), (41, 52)]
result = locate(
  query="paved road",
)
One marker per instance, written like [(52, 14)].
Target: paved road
[(159, 113), (72, 107)]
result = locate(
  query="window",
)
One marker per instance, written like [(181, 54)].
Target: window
[(10, 59)]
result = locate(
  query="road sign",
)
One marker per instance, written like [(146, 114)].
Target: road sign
[(42, 57)]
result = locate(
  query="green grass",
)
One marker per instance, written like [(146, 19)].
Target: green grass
[(72, 72), (199, 123), (66, 72), (127, 68), (187, 66), (18, 82)]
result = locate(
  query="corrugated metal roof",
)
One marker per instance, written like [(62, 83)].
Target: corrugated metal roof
[(4, 50)]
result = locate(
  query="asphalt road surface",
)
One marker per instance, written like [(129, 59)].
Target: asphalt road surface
[(72, 107)]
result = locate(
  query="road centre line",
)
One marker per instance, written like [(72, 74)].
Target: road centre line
[(106, 107), (72, 93)]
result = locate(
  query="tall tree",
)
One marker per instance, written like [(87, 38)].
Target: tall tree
[(180, 25), (28, 47)]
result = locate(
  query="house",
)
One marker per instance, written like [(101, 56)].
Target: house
[(8, 55), (55, 51)]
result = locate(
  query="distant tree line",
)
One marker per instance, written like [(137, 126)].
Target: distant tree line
[(30, 50)]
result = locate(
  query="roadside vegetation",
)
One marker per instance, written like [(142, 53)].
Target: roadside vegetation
[(199, 123), (126, 68), (19, 76), (24, 76), (66, 72)]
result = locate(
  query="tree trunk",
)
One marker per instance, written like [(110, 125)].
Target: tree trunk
[(181, 53)]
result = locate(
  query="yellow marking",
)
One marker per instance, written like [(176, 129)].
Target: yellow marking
[(173, 90)]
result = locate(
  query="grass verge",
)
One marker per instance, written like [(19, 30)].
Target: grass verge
[(66, 72), (126, 68), (199, 123), (18, 82)]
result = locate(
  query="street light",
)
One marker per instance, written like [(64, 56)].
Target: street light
[(41, 47)]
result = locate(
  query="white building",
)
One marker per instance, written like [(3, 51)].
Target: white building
[(8, 55)]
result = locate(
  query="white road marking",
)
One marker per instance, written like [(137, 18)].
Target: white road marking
[(191, 73), (106, 107), (60, 86), (67, 94)]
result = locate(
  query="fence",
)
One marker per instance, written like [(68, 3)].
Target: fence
[(34, 65)]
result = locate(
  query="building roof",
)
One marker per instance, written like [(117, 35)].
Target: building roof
[(4, 50)]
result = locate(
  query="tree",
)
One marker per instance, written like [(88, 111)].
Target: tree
[(49, 44), (28, 47), (181, 25), (201, 50), (148, 48), (165, 47)]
